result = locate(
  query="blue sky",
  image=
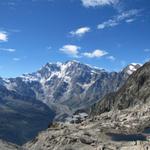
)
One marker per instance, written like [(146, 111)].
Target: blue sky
[(104, 33)]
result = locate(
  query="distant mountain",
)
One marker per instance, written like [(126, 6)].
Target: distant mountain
[(70, 85), (56, 90), (131, 68), (135, 91), (124, 125)]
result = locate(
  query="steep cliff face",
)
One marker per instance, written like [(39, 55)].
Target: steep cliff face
[(134, 91)]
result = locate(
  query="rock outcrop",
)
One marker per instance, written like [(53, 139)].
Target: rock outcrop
[(96, 133), (134, 91)]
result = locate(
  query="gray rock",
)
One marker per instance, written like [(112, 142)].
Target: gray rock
[(134, 91)]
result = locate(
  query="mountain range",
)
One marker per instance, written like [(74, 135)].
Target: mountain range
[(118, 121), (52, 93)]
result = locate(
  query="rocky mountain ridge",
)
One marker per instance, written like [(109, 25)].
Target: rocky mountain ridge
[(102, 129), (134, 91), (119, 122), (56, 90), (70, 84)]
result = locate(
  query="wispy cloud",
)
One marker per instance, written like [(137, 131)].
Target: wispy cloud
[(147, 50), (111, 58), (80, 31), (8, 49), (71, 50), (16, 59), (127, 16), (94, 3), (95, 54), (3, 36), (130, 20)]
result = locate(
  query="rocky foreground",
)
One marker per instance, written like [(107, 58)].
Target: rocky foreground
[(94, 133), (120, 121)]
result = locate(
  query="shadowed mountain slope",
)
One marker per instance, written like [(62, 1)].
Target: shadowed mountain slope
[(136, 90)]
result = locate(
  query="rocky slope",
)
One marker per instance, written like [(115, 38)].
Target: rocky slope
[(21, 117), (116, 130), (125, 127), (56, 89), (134, 91)]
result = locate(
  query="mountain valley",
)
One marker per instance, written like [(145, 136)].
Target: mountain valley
[(53, 93), (109, 127)]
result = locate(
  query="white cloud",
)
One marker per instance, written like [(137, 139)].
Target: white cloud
[(3, 36), (111, 58), (71, 50), (95, 54), (94, 3), (16, 59), (8, 49), (116, 20), (80, 32)]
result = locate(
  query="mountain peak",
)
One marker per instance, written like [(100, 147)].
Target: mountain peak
[(58, 64), (62, 70), (129, 69)]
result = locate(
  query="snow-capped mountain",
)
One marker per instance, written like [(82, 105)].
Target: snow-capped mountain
[(54, 90), (132, 68), (70, 84)]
